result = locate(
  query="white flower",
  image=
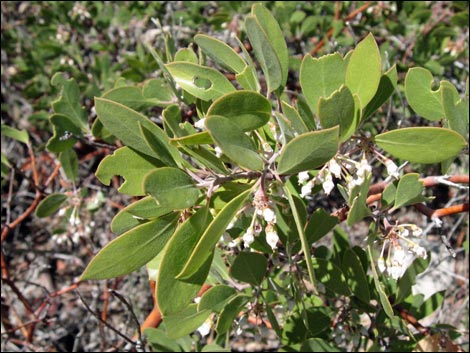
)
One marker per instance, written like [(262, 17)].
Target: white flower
[(269, 215), (271, 236), (392, 168), (418, 251), (399, 256), (248, 237), (303, 177), (363, 169), (218, 151), (205, 328), (200, 124), (396, 271), (306, 190), (328, 184), (381, 264), (334, 168)]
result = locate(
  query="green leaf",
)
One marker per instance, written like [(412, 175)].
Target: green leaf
[(249, 267), (275, 36), (230, 312), (233, 142), (137, 213), (330, 276), (338, 109), (378, 285), (321, 77), (131, 250), (129, 164), (249, 110), (293, 116), (19, 135), (265, 53), (356, 277), (409, 191), (156, 89), (359, 209), (199, 138), (206, 158), (127, 125), (131, 97), (364, 70), (389, 194), (184, 322), (318, 345), (187, 55), (421, 144), (248, 80), (202, 82), (159, 341), (171, 187), (161, 146), (50, 205), (211, 236), (172, 294), (387, 85), (68, 103), (64, 134), (69, 161), (420, 96), (455, 109), (308, 151), (216, 298), (319, 225), (221, 53)]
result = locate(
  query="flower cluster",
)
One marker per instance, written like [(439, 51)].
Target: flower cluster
[(263, 207), (342, 167), (398, 259)]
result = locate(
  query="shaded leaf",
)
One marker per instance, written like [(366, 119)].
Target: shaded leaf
[(216, 298), (172, 294), (249, 267), (320, 77), (293, 116), (184, 322), (318, 345), (387, 85), (455, 109), (330, 276), (356, 277), (319, 225), (50, 205), (230, 312), (409, 191), (69, 161), (211, 236)]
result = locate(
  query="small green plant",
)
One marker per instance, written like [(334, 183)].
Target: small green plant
[(224, 192)]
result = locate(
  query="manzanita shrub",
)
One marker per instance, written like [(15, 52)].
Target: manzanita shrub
[(224, 196)]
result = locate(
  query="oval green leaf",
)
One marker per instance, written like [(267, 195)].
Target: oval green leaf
[(221, 53), (131, 250), (420, 96), (216, 298), (249, 267), (172, 294), (233, 142), (331, 276), (364, 70), (130, 165), (338, 109), (202, 82), (421, 144), (249, 110), (126, 124), (211, 236), (356, 277), (308, 151), (409, 191), (230, 312), (184, 322), (320, 77), (50, 205), (171, 188)]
